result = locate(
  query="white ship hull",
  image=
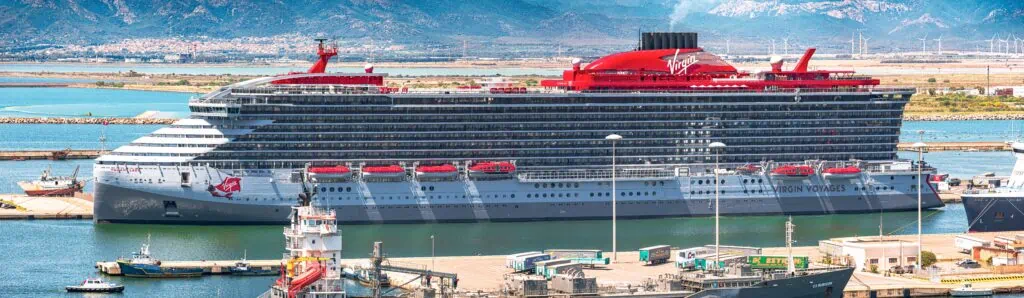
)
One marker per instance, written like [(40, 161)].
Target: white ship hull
[(150, 194)]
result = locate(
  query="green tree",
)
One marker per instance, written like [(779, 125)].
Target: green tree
[(928, 258), (931, 80)]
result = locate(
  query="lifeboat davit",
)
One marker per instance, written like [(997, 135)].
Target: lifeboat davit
[(335, 172), (748, 169), (436, 171), (492, 168), (392, 171), (842, 173), (793, 172)]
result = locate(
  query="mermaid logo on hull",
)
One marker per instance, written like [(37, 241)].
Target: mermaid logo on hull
[(226, 188)]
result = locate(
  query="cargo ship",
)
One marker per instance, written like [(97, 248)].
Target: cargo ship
[(996, 210), (798, 141)]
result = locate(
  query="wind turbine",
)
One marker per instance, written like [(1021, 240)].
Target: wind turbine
[(773, 46), (864, 50), (853, 47), (785, 45), (924, 44), (861, 42), (1006, 45), (991, 47), (727, 46), (940, 44)]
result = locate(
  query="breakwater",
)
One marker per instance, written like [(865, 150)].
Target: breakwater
[(962, 117), (85, 120)]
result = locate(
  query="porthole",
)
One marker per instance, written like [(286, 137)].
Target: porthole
[(332, 189), (431, 188), (349, 189)]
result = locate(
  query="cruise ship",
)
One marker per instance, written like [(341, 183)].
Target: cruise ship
[(797, 141), (997, 209)]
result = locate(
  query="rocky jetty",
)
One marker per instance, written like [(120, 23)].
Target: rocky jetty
[(84, 120), (962, 116)]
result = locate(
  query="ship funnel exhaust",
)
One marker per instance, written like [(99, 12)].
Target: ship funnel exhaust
[(668, 40)]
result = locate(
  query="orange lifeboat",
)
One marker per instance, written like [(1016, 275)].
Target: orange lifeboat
[(492, 168), (436, 171), (748, 169), (336, 172), (842, 173), (391, 171), (793, 172)]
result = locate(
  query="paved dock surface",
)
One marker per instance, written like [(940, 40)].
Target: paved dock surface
[(49, 154), (208, 266), (26, 207), (957, 146)]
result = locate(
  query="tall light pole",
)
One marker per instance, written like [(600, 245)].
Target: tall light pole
[(920, 146), (431, 252), (615, 249), (716, 147)]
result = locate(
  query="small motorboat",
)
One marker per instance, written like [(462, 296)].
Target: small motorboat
[(95, 285), (244, 268), (969, 291)]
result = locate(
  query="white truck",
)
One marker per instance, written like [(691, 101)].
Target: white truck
[(966, 243)]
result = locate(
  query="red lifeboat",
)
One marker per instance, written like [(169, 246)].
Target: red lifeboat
[(492, 169), (436, 171), (748, 169), (795, 172), (391, 171), (337, 171), (844, 172)]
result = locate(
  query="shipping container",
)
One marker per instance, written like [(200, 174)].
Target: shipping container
[(511, 259), (655, 254), (966, 243), (539, 267), (526, 262), (592, 261), (575, 253)]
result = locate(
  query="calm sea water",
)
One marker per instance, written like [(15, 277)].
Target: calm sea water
[(81, 102), (40, 257), (198, 69)]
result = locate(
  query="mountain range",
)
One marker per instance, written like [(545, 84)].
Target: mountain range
[(894, 22)]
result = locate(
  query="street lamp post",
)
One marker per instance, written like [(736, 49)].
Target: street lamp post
[(615, 252), (716, 147), (920, 146), (431, 252)]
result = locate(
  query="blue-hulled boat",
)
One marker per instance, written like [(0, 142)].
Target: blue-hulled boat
[(143, 265)]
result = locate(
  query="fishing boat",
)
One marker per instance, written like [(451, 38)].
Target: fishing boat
[(142, 264), (244, 268), (967, 290), (95, 285), (53, 186)]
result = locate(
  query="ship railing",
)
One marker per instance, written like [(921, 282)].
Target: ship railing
[(291, 90), (624, 174)]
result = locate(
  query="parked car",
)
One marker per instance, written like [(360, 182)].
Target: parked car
[(968, 263), (897, 270), (954, 182)]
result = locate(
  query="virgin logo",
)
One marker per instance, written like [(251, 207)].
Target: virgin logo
[(676, 66), (226, 188)]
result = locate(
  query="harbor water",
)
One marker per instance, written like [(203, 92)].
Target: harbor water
[(40, 257)]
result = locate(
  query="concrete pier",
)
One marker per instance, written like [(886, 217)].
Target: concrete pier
[(209, 267), (26, 207), (958, 146), (49, 154)]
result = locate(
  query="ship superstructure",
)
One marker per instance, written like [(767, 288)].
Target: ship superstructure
[(311, 268), (798, 142)]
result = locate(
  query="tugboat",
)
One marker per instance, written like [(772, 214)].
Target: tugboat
[(243, 268), (53, 186), (143, 265), (310, 267), (95, 285)]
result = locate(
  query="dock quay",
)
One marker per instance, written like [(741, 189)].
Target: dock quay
[(958, 146), (26, 207), (32, 85), (86, 120), (49, 154), (209, 267)]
